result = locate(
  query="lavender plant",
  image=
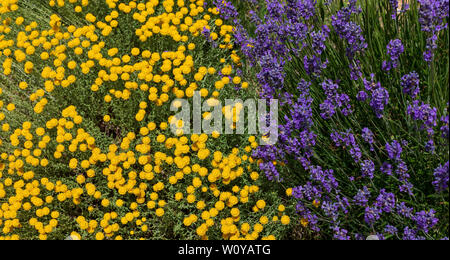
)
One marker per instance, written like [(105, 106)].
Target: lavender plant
[(364, 90)]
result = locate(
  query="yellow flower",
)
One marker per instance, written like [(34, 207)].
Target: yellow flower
[(264, 220), (73, 163), (159, 212), (190, 198), (135, 51), (99, 236), (260, 204), (187, 221), (289, 192), (178, 196), (10, 107), (235, 212), (119, 203), (215, 134), (105, 203), (304, 222), (144, 228), (316, 203), (219, 84), (285, 220), (254, 176), (72, 65), (23, 85), (81, 179), (236, 80), (219, 205), (151, 204)]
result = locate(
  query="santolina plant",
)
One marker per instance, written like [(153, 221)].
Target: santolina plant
[(86, 147), (235, 117), (364, 133)]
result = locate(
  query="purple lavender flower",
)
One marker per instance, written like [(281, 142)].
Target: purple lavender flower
[(428, 55), (362, 197), (343, 203), (394, 150), (319, 38), (409, 234), (362, 96), (404, 210), (270, 170), (275, 9), (380, 236), (394, 49), (324, 177), (295, 137), (380, 99), (226, 9), (330, 88), (379, 96), (430, 147), (385, 201), (420, 111), (334, 101), (410, 84), (433, 15), (367, 168), (308, 191), (441, 177), (359, 237), (390, 229), (394, 8), (330, 210), (340, 234), (347, 139), (403, 176), (425, 220), (271, 75), (352, 34), (367, 136), (309, 216), (327, 109), (406, 187), (314, 65), (304, 86), (372, 214), (386, 168), (405, 143), (386, 66), (371, 85)]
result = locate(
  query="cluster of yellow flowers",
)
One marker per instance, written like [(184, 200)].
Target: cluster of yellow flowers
[(55, 173)]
